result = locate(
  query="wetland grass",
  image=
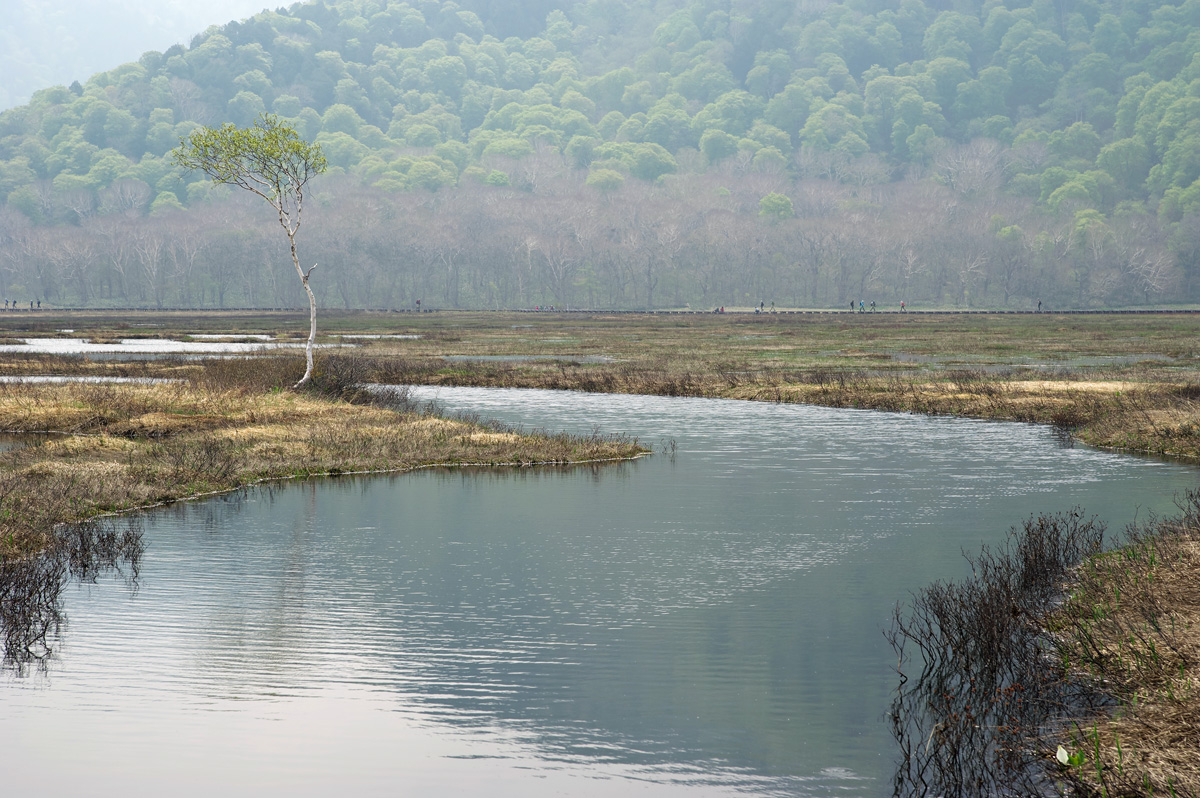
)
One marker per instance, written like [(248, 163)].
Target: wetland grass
[(1060, 667), (1143, 412), (1126, 382), (1128, 629), (225, 424), (1109, 673)]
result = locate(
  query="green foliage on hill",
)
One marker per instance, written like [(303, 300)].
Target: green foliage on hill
[(1086, 110), (1098, 100)]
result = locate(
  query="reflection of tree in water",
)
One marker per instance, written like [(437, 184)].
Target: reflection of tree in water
[(31, 616), (982, 716)]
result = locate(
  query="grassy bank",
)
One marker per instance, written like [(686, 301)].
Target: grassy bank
[(1153, 414), (1127, 382), (1008, 688), (1130, 629), (223, 425)]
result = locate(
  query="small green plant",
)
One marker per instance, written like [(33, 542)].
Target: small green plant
[(1070, 759)]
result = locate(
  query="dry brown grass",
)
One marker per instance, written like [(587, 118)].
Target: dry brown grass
[(1131, 628), (1123, 381), (129, 445)]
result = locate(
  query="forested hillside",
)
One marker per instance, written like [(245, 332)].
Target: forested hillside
[(598, 153)]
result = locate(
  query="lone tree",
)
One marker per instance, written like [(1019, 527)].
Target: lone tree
[(271, 160)]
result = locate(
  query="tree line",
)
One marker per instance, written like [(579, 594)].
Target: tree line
[(698, 241)]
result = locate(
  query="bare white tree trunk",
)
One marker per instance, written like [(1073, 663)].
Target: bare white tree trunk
[(312, 313)]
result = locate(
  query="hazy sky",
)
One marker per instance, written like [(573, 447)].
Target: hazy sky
[(49, 42)]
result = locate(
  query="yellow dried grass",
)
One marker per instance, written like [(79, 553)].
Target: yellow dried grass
[(1150, 746), (152, 443)]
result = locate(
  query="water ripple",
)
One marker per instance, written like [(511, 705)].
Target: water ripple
[(704, 624)]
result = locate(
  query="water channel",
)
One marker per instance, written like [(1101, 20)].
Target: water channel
[(703, 623)]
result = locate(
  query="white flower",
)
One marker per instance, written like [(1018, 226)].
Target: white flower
[(1062, 756)]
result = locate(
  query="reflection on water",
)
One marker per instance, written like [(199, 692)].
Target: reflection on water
[(980, 700), (10, 441), (143, 346), (31, 616), (708, 624)]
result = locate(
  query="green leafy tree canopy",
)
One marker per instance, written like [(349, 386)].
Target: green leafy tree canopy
[(268, 159)]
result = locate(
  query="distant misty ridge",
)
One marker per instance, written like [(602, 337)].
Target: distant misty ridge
[(47, 43)]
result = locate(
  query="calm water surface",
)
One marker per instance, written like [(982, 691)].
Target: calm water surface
[(702, 625), (212, 344)]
